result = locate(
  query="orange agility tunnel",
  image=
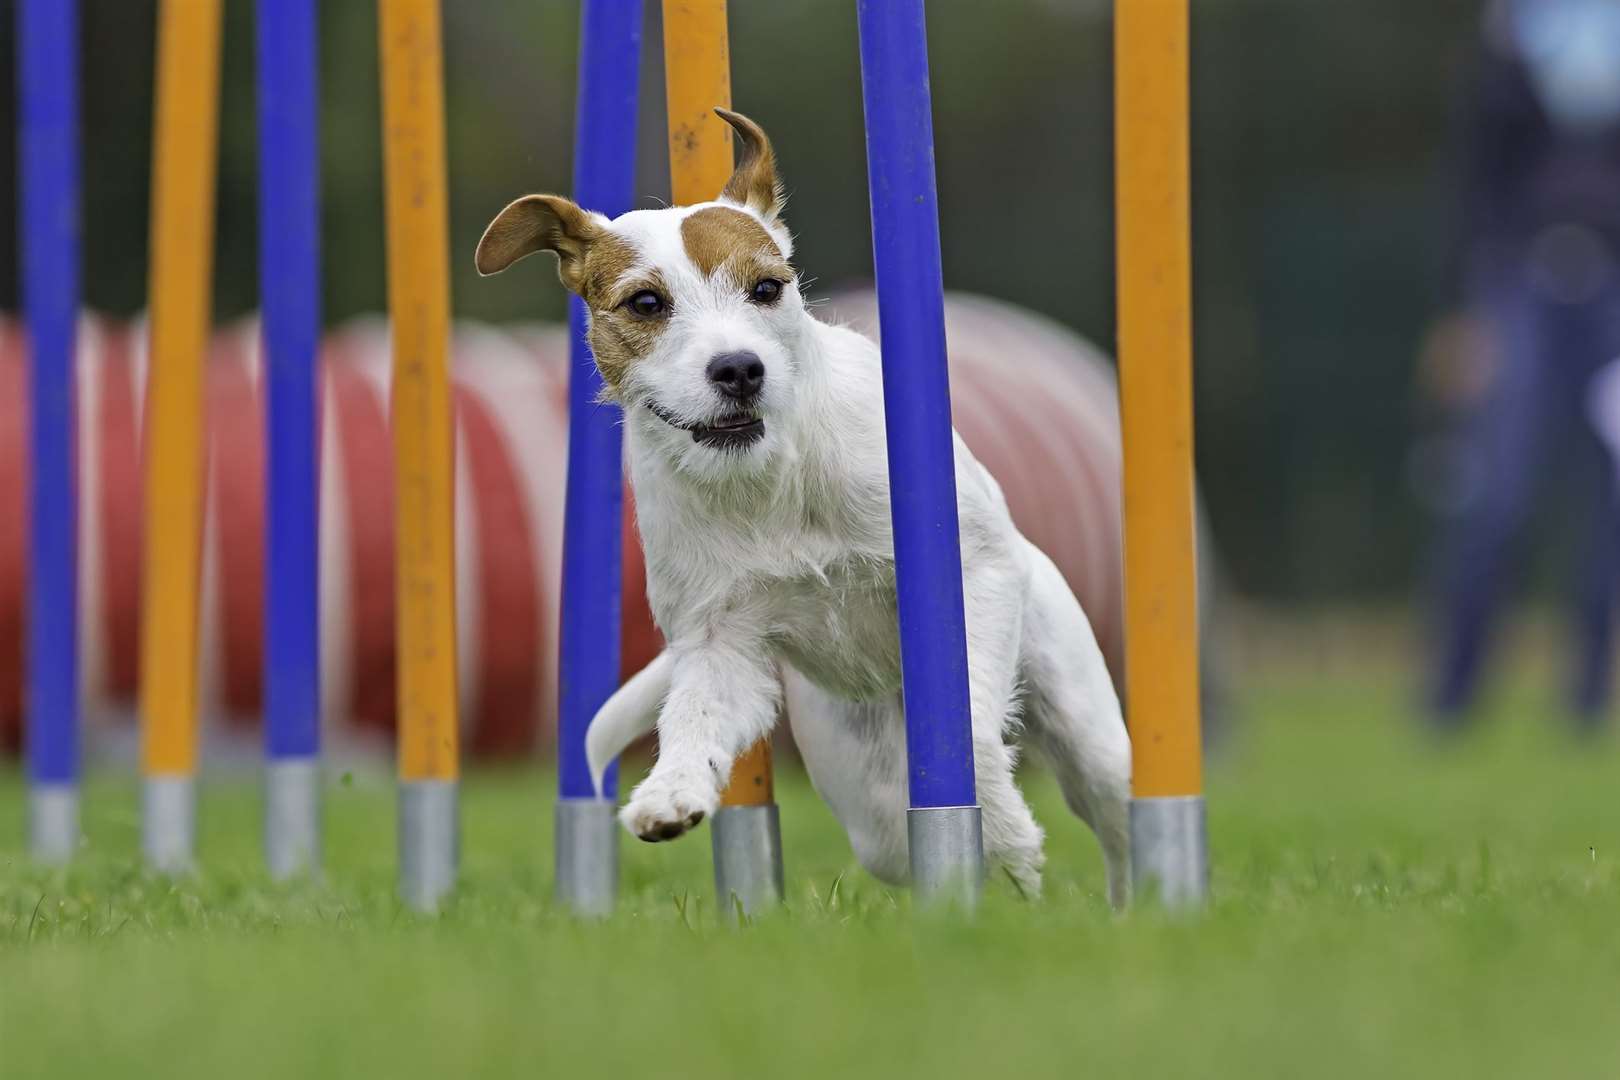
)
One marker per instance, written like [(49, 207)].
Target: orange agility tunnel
[(1056, 455)]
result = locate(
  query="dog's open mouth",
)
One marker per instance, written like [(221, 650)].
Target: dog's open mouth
[(733, 430)]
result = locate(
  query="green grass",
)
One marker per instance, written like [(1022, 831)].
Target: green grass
[(1383, 906)]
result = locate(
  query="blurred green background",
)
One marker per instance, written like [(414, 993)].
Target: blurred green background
[(1321, 176)]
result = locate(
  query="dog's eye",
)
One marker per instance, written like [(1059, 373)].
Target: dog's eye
[(645, 303), (766, 291)]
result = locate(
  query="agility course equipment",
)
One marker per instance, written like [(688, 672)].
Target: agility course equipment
[(1169, 852), (943, 824), (746, 831), (48, 51), (1168, 839), (1056, 457), (587, 834), (424, 501), (290, 286), (183, 163)]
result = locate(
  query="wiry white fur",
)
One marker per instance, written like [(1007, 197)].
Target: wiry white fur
[(770, 570)]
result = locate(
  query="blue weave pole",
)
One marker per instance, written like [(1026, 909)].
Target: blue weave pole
[(289, 287), (604, 180), (48, 54), (922, 476)]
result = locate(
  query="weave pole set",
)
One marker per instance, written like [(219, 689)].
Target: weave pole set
[(183, 185), (1169, 850), (746, 831), (1167, 819), (419, 302), (946, 847), (185, 147)]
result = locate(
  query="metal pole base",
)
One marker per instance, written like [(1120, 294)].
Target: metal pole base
[(53, 822), (292, 817), (587, 853), (947, 855), (1170, 850), (429, 842), (169, 823), (747, 858)]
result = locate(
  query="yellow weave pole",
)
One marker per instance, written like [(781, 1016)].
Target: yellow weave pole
[(183, 175), (697, 78), (1152, 193), (419, 311)]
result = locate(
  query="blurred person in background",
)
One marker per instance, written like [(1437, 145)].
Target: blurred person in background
[(1538, 271)]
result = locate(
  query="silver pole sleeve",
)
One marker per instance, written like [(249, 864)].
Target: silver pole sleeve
[(947, 855), (747, 858), (587, 854), (53, 822), (1170, 850), (429, 842), (292, 817), (169, 823)]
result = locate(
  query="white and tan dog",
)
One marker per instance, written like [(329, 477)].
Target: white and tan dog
[(756, 452)]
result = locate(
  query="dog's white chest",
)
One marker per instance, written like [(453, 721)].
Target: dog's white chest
[(841, 632)]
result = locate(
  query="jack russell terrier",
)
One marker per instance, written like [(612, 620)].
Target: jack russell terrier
[(756, 452)]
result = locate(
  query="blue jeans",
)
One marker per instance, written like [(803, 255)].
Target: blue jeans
[(1532, 425)]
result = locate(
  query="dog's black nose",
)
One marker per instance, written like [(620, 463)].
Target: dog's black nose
[(737, 375)]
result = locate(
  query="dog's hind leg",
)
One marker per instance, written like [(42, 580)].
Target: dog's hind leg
[(1013, 841), (1072, 715), (992, 589), (855, 753)]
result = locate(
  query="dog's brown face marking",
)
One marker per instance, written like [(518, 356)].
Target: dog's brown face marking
[(607, 260), (619, 336), (719, 239)]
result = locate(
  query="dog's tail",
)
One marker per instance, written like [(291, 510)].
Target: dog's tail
[(628, 715)]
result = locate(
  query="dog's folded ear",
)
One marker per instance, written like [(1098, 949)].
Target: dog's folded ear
[(540, 223), (754, 183)]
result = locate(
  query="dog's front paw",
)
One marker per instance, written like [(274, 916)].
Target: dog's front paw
[(660, 810)]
